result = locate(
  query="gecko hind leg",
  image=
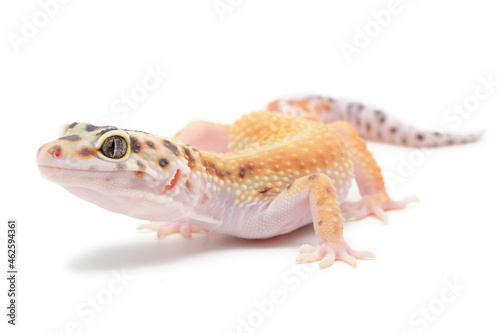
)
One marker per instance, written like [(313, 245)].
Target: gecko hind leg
[(375, 200), (316, 193), (164, 229), (206, 136)]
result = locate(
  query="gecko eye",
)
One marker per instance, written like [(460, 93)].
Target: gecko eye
[(114, 147)]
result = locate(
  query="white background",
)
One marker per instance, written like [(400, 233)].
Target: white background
[(428, 58)]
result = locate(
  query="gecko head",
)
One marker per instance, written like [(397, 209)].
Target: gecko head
[(114, 168)]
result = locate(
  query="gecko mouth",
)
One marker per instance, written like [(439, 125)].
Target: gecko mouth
[(86, 178), (49, 171)]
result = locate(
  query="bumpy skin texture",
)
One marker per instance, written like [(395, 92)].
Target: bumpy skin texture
[(265, 175), (370, 123)]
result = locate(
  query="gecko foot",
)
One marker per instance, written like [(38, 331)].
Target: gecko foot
[(328, 254), (164, 229), (374, 204)]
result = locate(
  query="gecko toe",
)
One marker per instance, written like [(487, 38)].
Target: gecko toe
[(306, 248)]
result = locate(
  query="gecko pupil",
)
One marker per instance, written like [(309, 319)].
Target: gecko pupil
[(114, 147)]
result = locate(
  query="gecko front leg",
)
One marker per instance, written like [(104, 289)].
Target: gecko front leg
[(317, 193)]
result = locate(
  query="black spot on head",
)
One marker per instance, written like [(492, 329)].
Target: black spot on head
[(191, 160), (136, 146), (289, 185), (320, 222), (329, 189), (382, 119), (90, 127), (393, 130), (85, 152), (72, 125), (150, 144), (242, 173), (312, 177), (163, 162), (228, 172), (420, 137), (172, 147), (70, 138), (437, 134)]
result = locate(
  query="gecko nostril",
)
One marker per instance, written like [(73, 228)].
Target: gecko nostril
[(55, 151)]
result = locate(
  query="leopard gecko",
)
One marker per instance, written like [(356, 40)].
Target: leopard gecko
[(267, 174)]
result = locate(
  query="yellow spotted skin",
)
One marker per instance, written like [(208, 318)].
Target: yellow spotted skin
[(296, 165), (269, 151)]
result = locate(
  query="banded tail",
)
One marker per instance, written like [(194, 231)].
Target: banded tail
[(371, 124)]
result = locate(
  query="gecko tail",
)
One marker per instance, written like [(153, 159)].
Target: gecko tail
[(371, 124)]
